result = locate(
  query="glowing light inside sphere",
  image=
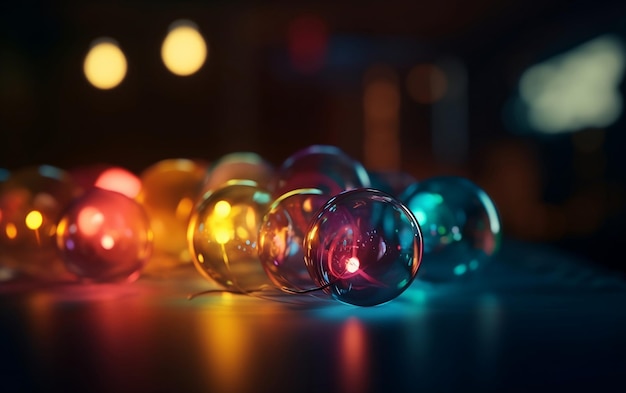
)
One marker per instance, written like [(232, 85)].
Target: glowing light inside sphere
[(33, 220), (352, 264), (89, 221), (364, 247), (184, 49), (11, 230), (105, 65), (460, 223)]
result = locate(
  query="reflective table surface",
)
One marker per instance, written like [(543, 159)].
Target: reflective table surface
[(536, 320)]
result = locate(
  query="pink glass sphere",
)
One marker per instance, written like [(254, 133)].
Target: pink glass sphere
[(105, 236)]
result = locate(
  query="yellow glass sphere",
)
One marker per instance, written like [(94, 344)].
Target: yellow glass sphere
[(32, 200), (223, 235)]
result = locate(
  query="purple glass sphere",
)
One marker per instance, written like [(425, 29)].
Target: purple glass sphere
[(364, 247), (324, 167), (281, 237)]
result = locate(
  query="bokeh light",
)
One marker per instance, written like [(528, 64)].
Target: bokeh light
[(577, 89), (107, 177), (184, 49), (105, 65), (120, 180)]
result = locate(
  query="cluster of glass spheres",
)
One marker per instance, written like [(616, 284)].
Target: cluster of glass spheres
[(318, 225)]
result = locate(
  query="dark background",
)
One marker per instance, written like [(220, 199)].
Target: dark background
[(249, 97)]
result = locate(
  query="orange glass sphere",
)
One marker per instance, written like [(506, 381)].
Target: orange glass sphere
[(169, 189)]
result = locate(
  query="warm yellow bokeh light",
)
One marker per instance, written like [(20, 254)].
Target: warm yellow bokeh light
[(90, 220), (107, 242), (33, 220), (184, 50), (11, 230), (222, 209), (105, 64), (222, 236)]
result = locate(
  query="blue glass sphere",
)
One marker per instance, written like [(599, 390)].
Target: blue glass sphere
[(364, 247), (460, 224)]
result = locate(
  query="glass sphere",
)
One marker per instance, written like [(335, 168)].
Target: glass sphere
[(105, 236), (460, 224), (281, 238), (223, 232), (31, 202), (324, 167), (169, 190), (108, 177), (238, 166), (364, 247)]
